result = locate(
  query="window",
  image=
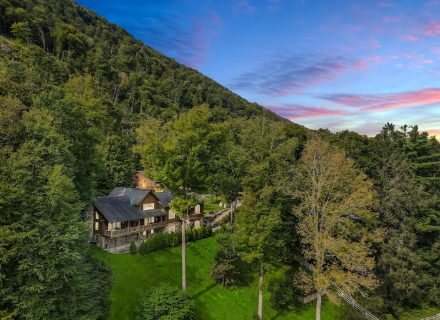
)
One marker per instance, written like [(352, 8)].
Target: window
[(96, 215), (171, 214), (148, 206), (96, 225)]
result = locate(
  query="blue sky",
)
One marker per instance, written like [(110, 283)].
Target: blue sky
[(325, 64)]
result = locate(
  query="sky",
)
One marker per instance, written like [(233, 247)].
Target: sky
[(324, 64)]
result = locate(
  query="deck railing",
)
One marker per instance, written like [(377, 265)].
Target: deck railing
[(136, 229)]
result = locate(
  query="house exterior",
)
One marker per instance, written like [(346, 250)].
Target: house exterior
[(131, 214)]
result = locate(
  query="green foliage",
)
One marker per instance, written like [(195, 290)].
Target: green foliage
[(212, 301), (73, 89), (166, 303), (179, 152), (403, 165), (227, 263), (181, 205), (133, 248), (159, 241), (282, 292)]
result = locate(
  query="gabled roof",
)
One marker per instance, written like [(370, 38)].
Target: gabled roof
[(117, 209), (135, 195), (165, 197)]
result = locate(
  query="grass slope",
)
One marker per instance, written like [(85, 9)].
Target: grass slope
[(133, 275)]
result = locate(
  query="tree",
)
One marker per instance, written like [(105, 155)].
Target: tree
[(46, 272), (402, 206), (226, 268), (22, 31), (333, 198), (180, 152), (181, 206), (269, 150), (256, 221), (166, 303)]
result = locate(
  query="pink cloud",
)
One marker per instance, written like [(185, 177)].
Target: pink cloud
[(433, 29), (387, 101), (295, 111), (411, 37), (434, 133), (376, 58), (360, 64)]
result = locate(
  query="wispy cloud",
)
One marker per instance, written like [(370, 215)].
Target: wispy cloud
[(377, 102), (433, 29), (187, 40), (290, 74), (244, 6), (297, 111)]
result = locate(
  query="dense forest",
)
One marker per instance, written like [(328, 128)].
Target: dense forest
[(83, 104)]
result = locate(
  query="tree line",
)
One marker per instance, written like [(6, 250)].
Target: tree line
[(362, 212), (83, 105), (73, 88)]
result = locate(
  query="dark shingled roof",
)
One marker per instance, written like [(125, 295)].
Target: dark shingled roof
[(135, 195), (154, 213), (118, 209), (165, 197)]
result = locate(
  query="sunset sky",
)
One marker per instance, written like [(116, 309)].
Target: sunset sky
[(324, 64)]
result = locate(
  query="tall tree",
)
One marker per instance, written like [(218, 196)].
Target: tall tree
[(180, 153), (45, 271), (269, 149), (332, 197), (407, 214)]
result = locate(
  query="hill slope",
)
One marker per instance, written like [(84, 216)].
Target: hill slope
[(132, 75), (73, 88)]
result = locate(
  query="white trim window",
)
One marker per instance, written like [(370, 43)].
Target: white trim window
[(148, 206)]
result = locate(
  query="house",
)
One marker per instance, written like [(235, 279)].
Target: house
[(132, 214)]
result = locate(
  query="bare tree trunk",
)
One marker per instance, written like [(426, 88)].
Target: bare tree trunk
[(43, 39), (318, 305), (183, 254), (260, 293)]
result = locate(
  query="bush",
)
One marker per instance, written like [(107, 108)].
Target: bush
[(282, 295), (159, 241), (226, 268), (165, 303), (133, 248)]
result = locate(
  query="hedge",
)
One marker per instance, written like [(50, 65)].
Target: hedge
[(159, 241)]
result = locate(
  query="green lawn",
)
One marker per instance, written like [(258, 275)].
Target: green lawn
[(211, 205), (419, 314), (133, 275)]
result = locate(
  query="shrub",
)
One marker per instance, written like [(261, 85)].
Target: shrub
[(133, 248), (165, 303), (282, 295), (159, 241), (226, 268)]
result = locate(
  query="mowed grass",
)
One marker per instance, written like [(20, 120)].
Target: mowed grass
[(419, 314), (211, 205), (134, 275)]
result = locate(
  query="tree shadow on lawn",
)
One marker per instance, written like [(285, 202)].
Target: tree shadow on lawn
[(198, 294)]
